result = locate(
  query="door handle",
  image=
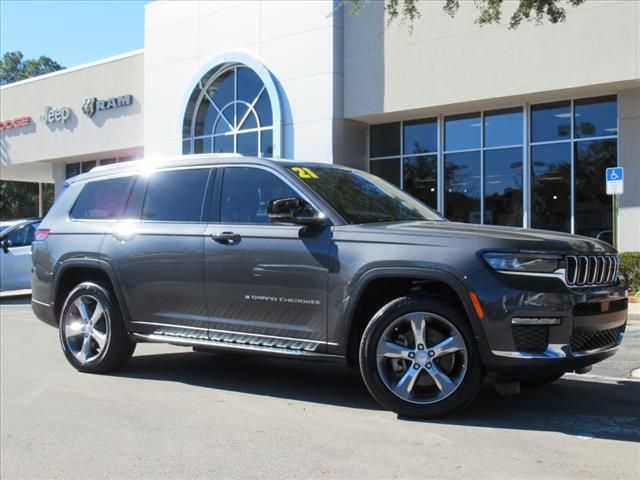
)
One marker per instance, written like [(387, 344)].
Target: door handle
[(226, 238)]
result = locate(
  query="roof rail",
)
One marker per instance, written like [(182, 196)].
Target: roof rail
[(143, 161)]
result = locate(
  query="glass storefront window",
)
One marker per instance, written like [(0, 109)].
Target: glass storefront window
[(503, 187), (420, 178), (462, 186), (551, 187), (389, 169), (420, 136), (71, 170), (462, 132), (551, 122), (385, 140), (596, 117), (486, 155), (503, 128), (593, 207)]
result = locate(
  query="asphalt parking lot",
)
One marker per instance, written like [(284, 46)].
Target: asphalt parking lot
[(173, 413)]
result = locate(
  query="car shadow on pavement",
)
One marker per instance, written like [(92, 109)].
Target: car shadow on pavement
[(580, 406), (584, 407), (303, 380)]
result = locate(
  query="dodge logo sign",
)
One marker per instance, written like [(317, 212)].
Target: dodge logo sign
[(15, 123), (92, 105)]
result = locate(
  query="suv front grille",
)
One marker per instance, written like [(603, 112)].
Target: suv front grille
[(530, 338), (596, 308), (583, 342), (591, 270)]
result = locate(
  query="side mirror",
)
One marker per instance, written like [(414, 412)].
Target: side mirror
[(293, 210), (5, 245)]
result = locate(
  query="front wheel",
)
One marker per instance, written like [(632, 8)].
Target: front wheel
[(92, 332), (418, 358)]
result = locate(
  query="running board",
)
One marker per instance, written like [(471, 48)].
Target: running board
[(221, 346)]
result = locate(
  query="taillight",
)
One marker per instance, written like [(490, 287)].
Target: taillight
[(41, 234)]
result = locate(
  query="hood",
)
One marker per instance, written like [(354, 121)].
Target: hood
[(472, 236)]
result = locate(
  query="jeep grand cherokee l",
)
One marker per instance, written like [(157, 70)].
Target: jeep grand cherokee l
[(315, 261)]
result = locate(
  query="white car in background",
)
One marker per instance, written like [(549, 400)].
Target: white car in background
[(15, 253)]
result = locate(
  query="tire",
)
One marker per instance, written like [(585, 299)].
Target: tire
[(540, 381), (391, 359), (93, 341)]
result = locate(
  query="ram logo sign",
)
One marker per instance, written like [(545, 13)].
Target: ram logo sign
[(92, 105)]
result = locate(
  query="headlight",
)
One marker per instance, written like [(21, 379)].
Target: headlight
[(523, 262)]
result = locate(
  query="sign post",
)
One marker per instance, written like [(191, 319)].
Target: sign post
[(615, 187)]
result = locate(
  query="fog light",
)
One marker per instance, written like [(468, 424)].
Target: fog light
[(536, 321)]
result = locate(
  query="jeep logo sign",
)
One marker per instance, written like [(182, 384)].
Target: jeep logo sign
[(92, 105), (56, 115)]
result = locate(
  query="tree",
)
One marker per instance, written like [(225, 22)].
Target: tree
[(14, 67), (20, 199), (490, 11)]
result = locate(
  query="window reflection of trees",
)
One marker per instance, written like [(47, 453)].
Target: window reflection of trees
[(593, 207)]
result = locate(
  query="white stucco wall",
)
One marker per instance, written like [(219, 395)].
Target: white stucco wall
[(300, 43), (449, 61), (27, 153)]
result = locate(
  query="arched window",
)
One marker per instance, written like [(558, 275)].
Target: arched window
[(229, 111)]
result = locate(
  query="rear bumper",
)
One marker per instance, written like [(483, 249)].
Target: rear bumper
[(44, 312)]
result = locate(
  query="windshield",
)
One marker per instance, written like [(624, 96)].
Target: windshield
[(359, 197)]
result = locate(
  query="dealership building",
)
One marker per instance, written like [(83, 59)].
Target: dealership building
[(485, 124)]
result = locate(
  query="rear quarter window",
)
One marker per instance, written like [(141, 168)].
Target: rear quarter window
[(102, 199)]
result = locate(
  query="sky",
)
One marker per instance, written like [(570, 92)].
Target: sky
[(71, 32)]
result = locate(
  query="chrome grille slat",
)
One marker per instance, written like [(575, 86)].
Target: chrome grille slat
[(603, 267), (591, 270), (610, 271), (592, 266), (583, 267)]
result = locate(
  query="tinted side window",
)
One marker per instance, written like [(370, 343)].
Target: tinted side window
[(103, 199), (246, 193), (176, 196), (23, 236)]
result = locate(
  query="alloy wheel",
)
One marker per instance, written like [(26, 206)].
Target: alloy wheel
[(86, 328), (422, 357)]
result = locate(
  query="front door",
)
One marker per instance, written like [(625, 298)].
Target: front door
[(266, 282)]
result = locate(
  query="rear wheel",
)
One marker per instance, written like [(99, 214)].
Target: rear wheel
[(92, 333), (418, 358)]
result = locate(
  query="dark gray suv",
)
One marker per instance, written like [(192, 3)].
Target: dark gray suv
[(316, 261)]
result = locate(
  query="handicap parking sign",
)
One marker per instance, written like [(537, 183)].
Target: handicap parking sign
[(615, 181)]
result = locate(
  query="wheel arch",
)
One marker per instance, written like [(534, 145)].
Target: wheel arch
[(378, 286), (74, 271)]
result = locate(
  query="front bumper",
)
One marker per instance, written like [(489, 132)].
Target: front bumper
[(585, 325)]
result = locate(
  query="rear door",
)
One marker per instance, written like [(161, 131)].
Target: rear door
[(158, 252), (266, 283)]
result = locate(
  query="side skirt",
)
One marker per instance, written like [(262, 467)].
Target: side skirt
[(222, 346)]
